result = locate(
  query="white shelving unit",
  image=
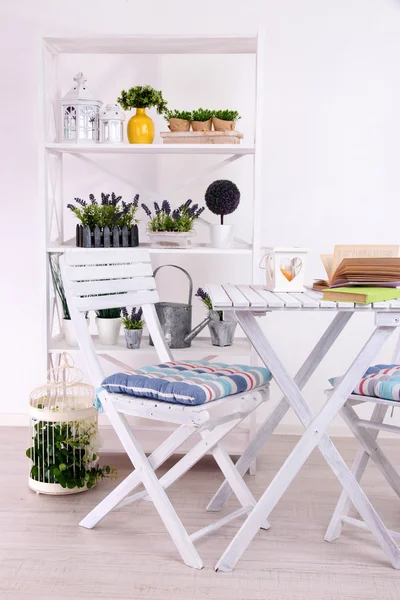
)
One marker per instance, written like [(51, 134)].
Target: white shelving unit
[(54, 151)]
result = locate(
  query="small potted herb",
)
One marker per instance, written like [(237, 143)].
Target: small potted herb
[(221, 331), (68, 329), (108, 321), (172, 228), (133, 327), (141, 126), (178, 120), (222, 198), (202, 119), (225, 120), (110, 223)]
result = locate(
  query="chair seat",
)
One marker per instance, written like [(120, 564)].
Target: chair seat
[(187, 383), (379, 381)]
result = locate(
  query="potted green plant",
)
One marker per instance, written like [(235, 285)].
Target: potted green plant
[(67, 327), (108, 321), (133, 323), (141, 126), (202, 119), (221, 331), (178, 120), (222, 198), (225, 120), (110, 223), (172, 228)]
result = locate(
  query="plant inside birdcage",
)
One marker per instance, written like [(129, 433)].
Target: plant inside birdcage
[(221, 331), (64, 453), (111, 222)]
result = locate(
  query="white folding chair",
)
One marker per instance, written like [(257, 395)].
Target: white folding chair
[(107, 278), (366, 431)]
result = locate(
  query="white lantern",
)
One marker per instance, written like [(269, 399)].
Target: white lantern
[(80, 113), (285, 268), (112, 118)]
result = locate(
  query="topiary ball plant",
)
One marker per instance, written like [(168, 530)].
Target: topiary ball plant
[(222, 197)]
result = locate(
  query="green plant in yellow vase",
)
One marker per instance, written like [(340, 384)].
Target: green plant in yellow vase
[(141, 126)]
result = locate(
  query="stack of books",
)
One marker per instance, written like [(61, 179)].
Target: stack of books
[(361, 274)]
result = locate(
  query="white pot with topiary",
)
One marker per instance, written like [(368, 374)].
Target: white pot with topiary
[(222, 198), (133, 323), (108, 321)]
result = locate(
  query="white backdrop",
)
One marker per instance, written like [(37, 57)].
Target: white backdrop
[(331, 128)]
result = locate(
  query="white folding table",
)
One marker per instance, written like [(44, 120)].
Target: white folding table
[(244, 302)]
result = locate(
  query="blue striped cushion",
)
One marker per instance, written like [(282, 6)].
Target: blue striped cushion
[(191, 383), (380, 381)]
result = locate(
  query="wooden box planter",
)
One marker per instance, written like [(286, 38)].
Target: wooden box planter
[(107, 238), (201, 137)]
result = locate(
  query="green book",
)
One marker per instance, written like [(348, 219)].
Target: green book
[(361, 295)]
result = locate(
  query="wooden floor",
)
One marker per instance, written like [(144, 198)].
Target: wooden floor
[(44, 554)]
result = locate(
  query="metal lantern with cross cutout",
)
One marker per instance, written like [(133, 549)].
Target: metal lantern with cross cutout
[(285, 268), (112, 119), (80, 113)]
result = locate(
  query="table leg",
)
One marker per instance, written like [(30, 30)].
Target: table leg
[(314, 435), (307, 369)]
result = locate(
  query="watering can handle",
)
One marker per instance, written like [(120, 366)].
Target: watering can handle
[(186, 273)]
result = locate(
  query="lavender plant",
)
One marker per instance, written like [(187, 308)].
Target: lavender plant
[(206, 300), (222, 197), (179, 220), (132, 320), (110, 212)]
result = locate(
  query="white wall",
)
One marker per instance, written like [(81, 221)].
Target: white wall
[(331, 146)]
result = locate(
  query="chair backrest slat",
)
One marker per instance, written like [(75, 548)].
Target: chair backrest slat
[(110, 278)]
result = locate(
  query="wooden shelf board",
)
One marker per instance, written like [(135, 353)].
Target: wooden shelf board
[(201, 346), (197, 249), (99, 148), (154, 44)]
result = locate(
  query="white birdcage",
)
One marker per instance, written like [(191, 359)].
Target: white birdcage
[(63, 432), (112, 119), (80, 113)]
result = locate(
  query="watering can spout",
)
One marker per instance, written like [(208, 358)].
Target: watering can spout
[(196, 330)]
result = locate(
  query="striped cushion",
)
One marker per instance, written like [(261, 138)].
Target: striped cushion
[(191, 383), (380, 381)]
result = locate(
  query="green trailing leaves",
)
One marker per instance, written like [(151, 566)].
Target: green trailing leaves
[(202, 114), (178, 114), (227, 115)]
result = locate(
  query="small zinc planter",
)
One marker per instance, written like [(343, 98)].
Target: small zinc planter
[(133, 338), (69, 332), (222, 332), (108, 330), (171, 239), (221, 125), (221, 236)]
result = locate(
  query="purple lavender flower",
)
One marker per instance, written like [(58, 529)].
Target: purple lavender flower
[(166, 207), (157, 208), (198, 213), (71, 207), (146, 210), (176, 214), (92, 199), (135, 202), (80, 201)]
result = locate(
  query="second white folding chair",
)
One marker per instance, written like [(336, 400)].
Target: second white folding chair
[(107, 278)]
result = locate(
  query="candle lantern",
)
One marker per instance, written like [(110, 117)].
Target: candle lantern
[(112, 119), (80, 113)]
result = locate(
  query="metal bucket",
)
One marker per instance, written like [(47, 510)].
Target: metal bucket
[(175, 318)]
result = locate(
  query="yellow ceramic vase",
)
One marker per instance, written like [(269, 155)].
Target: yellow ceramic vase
[(140, 128)]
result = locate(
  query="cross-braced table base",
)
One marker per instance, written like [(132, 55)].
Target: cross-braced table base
[(315, 434)]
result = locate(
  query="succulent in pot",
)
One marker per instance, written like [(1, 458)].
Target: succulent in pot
[(108, 321), (221, 331), (225, 120), (67, 327), (222, 198), (133, 323), (178, 120), (141, 126), (202, 119), (172, 228)]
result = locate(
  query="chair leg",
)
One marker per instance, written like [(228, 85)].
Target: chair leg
[(154, 489), (157, 458), (344, 504)]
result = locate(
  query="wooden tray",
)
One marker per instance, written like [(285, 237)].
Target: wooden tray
[(201, 137)]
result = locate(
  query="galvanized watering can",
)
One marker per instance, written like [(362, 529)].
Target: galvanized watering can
[(176, 318)]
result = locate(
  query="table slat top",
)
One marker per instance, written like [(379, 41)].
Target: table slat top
[(258, 298)]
